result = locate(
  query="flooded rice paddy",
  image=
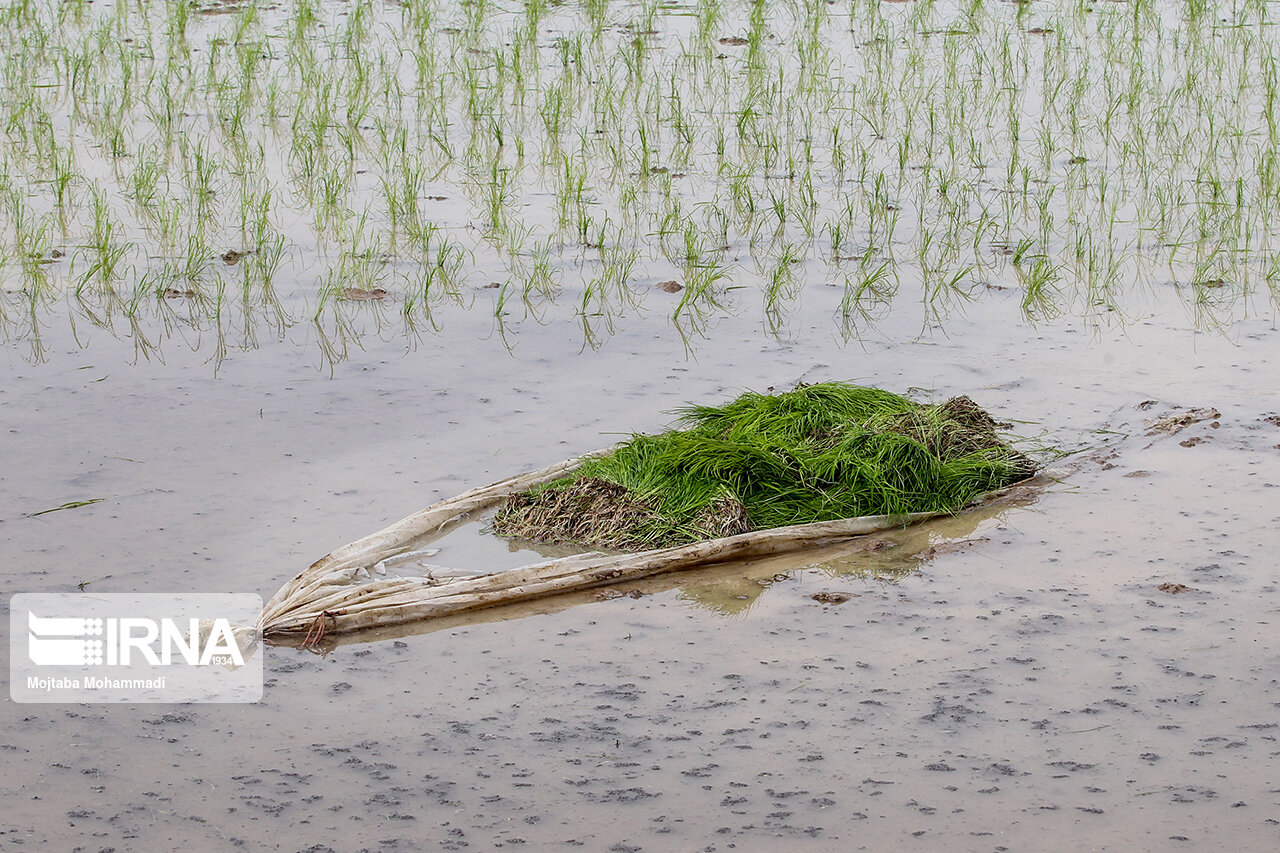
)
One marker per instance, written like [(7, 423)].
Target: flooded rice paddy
[(1066, 211)]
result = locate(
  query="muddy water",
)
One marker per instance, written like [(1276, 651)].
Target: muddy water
[(1023, 684)]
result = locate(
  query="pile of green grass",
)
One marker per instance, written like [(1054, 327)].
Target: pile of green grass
[(816, 453)]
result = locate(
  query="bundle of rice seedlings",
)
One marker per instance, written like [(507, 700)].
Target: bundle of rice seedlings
[(817, 453)]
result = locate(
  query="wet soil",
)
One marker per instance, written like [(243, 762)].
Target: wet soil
[(1021, 676)]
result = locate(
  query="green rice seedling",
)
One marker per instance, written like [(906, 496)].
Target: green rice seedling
[(709, 14), (203, 166), (196, 261), (706, 288), (64, 176), (1121, 139), (946, 288), (177, 20), (160, 282), (33, 246), (357, 276), (838, 237), (500, 304), (608, 294), (554, 113), (145, 182), (445, 261), (105, 251), (782, 285), (539, 279), (1041, 297), (498, 194), (255, 214), (267, 258), (817, 453), (867, 294)]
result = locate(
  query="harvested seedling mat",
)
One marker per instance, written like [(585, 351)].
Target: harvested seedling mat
[(763, 475)]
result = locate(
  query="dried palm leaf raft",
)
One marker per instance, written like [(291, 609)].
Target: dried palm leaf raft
[(760, 476)]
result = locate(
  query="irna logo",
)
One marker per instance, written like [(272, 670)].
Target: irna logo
[(92, 641), (134, 648)]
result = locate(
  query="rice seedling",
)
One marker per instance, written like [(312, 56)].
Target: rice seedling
[(706, 288), (33, 246), (1041, 299), (1122, 140), (816, 453), (867, 294), (782, 286), (104, 252)]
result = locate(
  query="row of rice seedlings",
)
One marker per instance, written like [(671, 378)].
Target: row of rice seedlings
[(915, 141)]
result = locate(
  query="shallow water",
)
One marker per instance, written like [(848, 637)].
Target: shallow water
[(1013, 679), (1032, 680)]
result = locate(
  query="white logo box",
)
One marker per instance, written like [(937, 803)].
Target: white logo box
[(134, 648)]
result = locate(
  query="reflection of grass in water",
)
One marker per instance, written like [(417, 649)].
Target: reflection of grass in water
[(745, 145), (871, 561)]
